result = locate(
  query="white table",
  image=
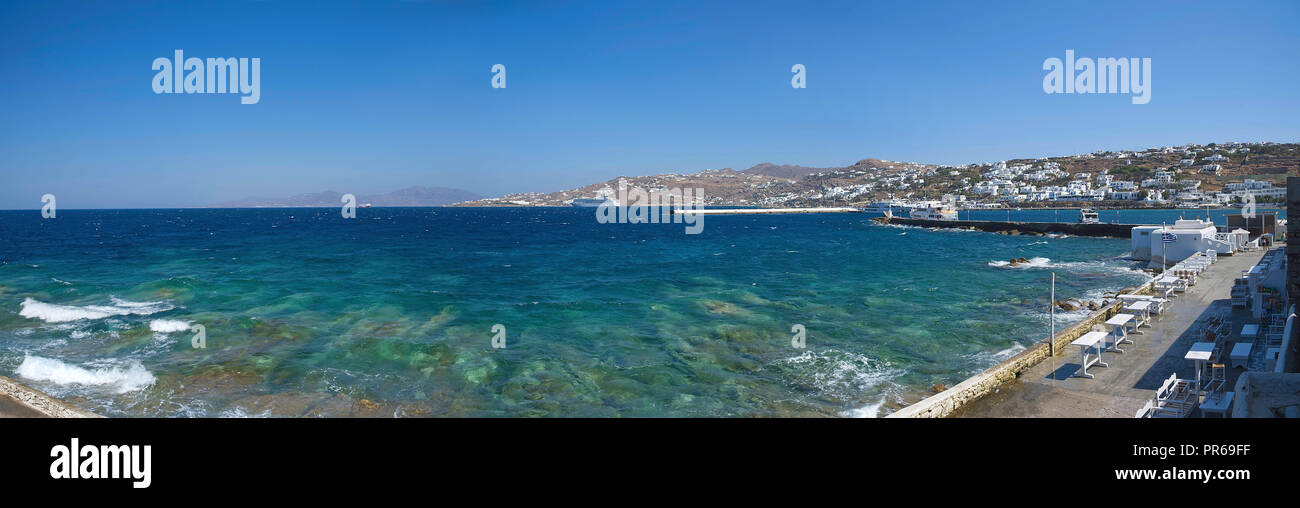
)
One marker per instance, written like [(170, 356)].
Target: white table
[(1250, 331), (1240, 355), (1167, 285), (1086, 343), (1119, 324), (1219, 406), (1200, 353), (1141, 310)]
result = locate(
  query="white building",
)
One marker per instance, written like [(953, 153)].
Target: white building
[(1249, 184), (1186, 237)]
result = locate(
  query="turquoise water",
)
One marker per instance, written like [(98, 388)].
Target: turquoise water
[(392, 313)]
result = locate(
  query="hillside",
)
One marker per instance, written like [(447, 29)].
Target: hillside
[(410, 196), (773, 185)]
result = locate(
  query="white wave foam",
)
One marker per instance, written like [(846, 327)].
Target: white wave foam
[(986, 359), (127, 378), (1033, 263), (869, 410), (239, 412), (54, 313), (168, 325), (840, 374)]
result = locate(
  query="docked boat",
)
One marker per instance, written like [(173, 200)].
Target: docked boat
[(886, 207), (1089, 216), (934, 211)]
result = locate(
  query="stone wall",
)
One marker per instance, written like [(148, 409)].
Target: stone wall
[(45, 404)]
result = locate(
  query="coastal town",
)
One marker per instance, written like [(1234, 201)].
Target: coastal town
[(1190, 175)]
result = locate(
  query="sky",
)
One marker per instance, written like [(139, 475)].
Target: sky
[(368, 97)]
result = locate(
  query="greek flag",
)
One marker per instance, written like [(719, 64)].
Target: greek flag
[(1168, 237)]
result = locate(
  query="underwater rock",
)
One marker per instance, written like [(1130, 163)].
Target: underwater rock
[(1067, 305)]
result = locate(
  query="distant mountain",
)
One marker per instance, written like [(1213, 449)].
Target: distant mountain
[(410, 196)]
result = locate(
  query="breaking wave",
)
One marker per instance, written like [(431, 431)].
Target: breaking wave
[(132, 376), (54, 313), (168, 325), (1033, 263)]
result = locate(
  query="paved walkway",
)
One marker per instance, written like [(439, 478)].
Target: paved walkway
[(12, 408), (1049, 389)]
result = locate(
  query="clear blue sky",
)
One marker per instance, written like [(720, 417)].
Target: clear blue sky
[(373, 96)]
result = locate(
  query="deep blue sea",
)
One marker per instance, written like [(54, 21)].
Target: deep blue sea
[(305, 313)]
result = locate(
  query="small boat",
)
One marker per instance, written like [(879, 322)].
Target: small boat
[(934, 211), (365, 205), (1089, 216)]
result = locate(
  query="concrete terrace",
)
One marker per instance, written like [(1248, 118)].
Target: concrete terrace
[(12, 408), (19, 401), (1050, 388)]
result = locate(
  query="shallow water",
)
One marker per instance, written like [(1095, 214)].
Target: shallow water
[(392, 313)]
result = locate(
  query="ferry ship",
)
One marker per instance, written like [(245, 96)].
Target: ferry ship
[(934, 211), (600, 199), (1089, 216)]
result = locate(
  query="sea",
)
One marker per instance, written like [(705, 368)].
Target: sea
[(524, 312)]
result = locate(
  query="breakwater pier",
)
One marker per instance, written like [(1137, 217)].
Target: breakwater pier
[(760, 211), (1005, 227)]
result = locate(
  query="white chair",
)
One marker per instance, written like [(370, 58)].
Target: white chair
[(1146, 410), (1176, 398)]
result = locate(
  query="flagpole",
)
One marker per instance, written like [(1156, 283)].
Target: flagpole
[(1051, 339)]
